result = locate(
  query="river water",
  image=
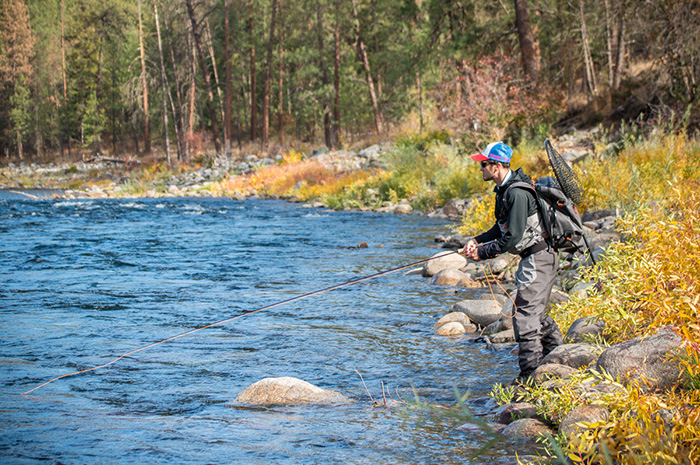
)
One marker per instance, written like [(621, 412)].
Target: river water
[(84, 281)]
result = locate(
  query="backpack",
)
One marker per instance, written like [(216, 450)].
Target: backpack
[(563, 229)]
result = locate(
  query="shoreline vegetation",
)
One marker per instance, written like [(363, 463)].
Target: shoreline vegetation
[(642, 196)]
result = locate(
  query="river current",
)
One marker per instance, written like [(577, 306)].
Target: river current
[(84, 281)]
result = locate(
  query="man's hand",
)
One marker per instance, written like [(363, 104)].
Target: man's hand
[(471, 250)]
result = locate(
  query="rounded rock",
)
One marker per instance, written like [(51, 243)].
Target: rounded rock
[(451, 329), (441, 261), (287, 390)]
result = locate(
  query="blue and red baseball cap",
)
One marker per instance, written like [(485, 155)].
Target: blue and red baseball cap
[(495, 151)]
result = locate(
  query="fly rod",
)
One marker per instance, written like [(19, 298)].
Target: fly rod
[(267, 307)]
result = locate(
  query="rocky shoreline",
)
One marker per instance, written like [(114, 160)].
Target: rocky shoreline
[(585, 367), (110, 177)]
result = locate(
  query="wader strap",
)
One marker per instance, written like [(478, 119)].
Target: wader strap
[(534, 248)]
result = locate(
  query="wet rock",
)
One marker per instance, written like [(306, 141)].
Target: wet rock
[(526, 428), (502, 337), (586, 326), (451, 329), (453, 317), (648, 358), (481, 312), (493, 328), (445, 260), (574, 355), (552, 371), (452, 210), (456, 241), (585, 414), (498, 264), (287, 390), (517, 411), (454, 277), (506, 317)]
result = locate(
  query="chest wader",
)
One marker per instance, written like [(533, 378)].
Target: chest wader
[(536, 333)]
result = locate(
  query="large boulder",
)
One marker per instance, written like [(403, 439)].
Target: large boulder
[(573, 355), (526, 428), (585, 326), (571, 424), (454, 277), (287, 390), (550, 371), (481, 312), (441, 261), (649, 358), (516, 411)]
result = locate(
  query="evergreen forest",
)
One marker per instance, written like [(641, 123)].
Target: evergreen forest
[(189, 78)]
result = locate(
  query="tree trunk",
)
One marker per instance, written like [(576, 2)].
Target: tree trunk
[(63, 56), (377, 69), (419, 85), (205, 75), (620, 56), (208, 40), (325, 79), (227, 79), (144, 85), (335, 133), (98, 81), (164, 83), (280, 87), (528, 46), (587, 58), (177, 112), (192, 99), (253, 90), (268, 77), (610, 36), (362, 56)]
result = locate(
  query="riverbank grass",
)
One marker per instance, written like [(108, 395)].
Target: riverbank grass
[(646, 282)]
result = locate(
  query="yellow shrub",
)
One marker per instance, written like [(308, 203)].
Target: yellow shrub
[(479, 215)]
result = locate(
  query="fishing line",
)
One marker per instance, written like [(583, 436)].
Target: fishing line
[(267, 307)]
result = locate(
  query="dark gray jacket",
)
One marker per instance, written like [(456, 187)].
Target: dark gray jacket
[(518, 223)]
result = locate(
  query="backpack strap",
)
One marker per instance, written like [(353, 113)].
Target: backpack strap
[(538, 203), (528, 187)]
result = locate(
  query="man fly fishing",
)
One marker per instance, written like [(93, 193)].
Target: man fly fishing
[(519, 230)]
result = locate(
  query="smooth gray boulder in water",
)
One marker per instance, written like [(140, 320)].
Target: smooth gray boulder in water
[(287, 390), (481, 312), (441, 261)]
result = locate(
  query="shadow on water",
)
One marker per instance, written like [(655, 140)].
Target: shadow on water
[(85, 281)]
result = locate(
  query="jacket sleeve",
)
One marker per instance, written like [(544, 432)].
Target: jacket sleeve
[(518, 207), (490, 235)]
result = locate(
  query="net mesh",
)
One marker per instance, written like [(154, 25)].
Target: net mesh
[(566, 177)]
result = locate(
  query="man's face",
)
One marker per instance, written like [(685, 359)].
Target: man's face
[(488, 170)]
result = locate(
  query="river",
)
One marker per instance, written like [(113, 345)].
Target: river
[(84, 281)]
